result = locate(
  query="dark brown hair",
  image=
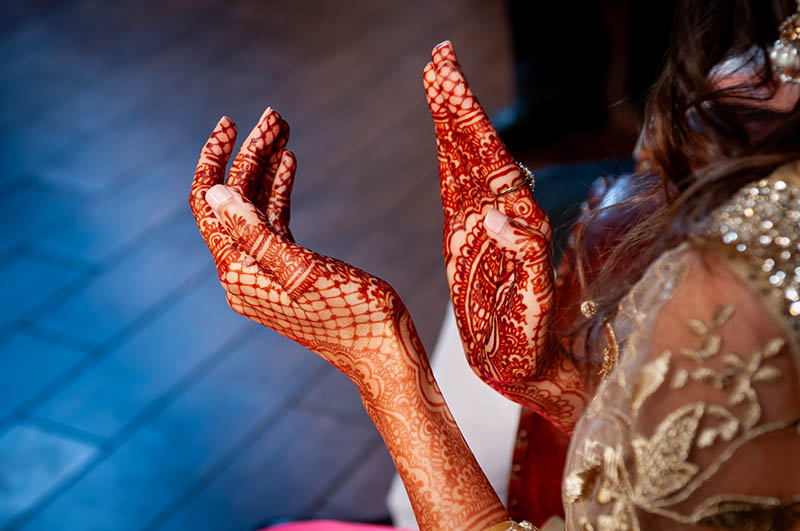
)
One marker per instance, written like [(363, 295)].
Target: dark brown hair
[(698, 140)]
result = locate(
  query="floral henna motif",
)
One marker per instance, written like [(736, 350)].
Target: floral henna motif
[(503, 295), (353, 320)]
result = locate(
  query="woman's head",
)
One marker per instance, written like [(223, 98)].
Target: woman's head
[(717, 97), (715, 120)]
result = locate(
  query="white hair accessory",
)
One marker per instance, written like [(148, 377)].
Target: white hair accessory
[(785, 52)]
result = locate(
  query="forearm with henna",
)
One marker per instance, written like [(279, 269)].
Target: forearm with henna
[(353, 320), (446, 486)]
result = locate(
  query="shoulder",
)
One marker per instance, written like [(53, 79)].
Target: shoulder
[(757, 234), (700, 418)]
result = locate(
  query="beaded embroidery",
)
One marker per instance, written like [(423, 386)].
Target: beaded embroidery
[(762, 223)]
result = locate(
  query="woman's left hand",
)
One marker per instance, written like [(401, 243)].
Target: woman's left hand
[(497, 249)]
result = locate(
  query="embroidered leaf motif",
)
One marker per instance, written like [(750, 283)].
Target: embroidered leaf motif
[(722, 315), (773, 347), (661, 462), (679, 379), (651, 377), (697, 327), (709, 346), (579, 485), (766, 373)]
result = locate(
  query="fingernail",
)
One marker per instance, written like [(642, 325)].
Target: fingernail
[(224, 121), (495, 221), (218, 195)]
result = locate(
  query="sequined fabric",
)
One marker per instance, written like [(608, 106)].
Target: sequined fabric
[(698, 427), (762, 223)]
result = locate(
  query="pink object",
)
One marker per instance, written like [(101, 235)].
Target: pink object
[(327, 525)]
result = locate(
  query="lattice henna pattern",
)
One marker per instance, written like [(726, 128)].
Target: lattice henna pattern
[(353, 320)]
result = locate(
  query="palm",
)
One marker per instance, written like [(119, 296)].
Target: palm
[(322, 303), (501, 306), (338, 311)]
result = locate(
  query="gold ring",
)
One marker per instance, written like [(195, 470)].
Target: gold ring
[(527, 179)]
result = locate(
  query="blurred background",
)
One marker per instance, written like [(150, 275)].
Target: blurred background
[(131, 396)]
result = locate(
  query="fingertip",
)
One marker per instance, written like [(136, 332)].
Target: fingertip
[(499, 239), (495, 221), (444, 51), (276, 116), (288, 159), (217, 149), (217, 196), (264, 114), (443, 46)]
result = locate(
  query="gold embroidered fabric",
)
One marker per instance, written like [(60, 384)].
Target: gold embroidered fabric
[(760, 226), (698, 427)]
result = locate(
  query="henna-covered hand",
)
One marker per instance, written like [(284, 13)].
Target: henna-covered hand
[(336, 310), (354, 320), (497, 251)]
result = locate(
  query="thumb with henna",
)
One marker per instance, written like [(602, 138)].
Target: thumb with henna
[(519, 241)]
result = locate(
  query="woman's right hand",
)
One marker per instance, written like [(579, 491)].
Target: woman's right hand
[(349, 317), (497, 250), (352, 319)]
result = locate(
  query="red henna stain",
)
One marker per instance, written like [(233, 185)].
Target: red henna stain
[(502, 301), (353, 320)]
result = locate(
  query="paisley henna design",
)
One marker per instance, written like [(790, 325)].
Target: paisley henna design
[(353, 320), (502, 292)]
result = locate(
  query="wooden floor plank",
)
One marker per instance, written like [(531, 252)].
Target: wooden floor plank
[(116, 297), (33, 462), (112, 393), (27, 366), (278, 476), (109, 106), (181, 443)]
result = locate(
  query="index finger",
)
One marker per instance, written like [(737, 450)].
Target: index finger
[(448, 183), (255, 164), (211, 166), (211, 171), (472, 124)]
